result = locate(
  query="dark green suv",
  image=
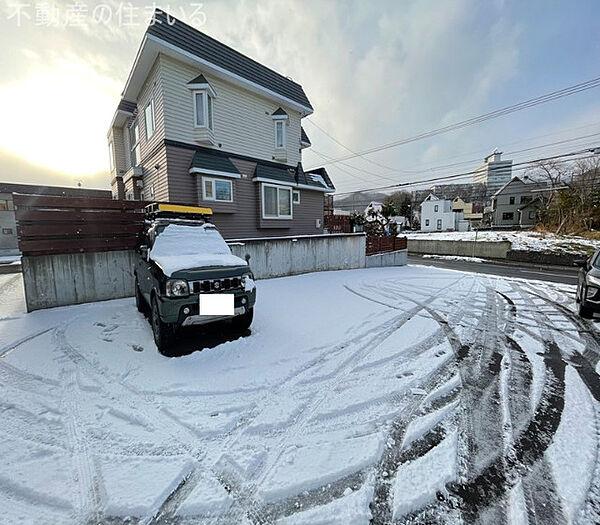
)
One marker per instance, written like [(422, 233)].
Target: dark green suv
[(185, 274)]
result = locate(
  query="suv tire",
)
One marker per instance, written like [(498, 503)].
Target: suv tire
[(243, 322), (140, 302), (584, 311), (163, 332)]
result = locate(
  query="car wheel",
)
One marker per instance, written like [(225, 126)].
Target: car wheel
[(243, 322), (584, 311), (140, 302), (163, 332)]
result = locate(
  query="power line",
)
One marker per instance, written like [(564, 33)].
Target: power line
[(347, 148), (539, 147), (542, 99), (472, 172)]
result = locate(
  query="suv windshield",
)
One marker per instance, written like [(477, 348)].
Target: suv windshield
[(183, 246)]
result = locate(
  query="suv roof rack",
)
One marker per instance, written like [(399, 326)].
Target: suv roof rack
[(158, 210)]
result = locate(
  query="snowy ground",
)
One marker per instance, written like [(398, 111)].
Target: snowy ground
[(408, 395), (521, 240)]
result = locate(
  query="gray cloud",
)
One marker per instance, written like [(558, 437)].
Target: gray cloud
[(374, 71)]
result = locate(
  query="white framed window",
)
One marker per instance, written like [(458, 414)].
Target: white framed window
[(280, 134), (296, 197), (217, 190), (439, 224), (134, 141), (436, 208), (203, 110), (276, 202), (129, 195), (149, 118), (426, 222), (111, 156)]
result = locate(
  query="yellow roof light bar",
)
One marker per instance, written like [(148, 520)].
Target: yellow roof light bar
[(178, 208)]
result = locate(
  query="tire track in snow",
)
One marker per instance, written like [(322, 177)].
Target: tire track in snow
[(538, 487), (502, 473), (89, 504), (394, 456), (135, 400), (245, 493), (591, 505)]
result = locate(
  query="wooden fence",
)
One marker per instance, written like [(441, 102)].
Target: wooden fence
[(338, 224), (385, 244), (48, 225)]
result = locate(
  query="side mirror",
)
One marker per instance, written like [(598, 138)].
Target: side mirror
[(247, 257), (582, 263)]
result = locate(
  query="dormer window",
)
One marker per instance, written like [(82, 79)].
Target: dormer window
[(280, 118), (204, 96)]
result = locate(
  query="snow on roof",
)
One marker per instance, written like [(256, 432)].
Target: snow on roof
[(181, 247), (318, 178)]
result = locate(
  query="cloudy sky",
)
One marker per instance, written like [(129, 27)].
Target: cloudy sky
[(375, 72)]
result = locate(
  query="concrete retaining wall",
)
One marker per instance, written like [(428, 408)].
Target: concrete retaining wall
[(276, 257), (484, 249), (397, 258), (58, 280), (542, 258)]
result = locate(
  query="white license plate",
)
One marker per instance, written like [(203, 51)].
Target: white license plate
[(216, 304)]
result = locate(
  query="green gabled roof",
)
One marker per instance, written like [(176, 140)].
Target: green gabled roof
[(200, 79), (276, 174), (317, 178), (205, 161)]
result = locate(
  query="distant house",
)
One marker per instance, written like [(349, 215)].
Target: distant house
[(373, 206), (468, 210), (200, 123), (517, 203), (437, 215), (8, 226)]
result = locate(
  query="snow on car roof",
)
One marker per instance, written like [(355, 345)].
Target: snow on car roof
[(181, 247)]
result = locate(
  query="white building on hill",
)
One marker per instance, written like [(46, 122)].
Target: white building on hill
[(494, 172)]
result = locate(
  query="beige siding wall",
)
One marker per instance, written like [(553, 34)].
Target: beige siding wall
[(151, 90), (120, 156), (242, 120)]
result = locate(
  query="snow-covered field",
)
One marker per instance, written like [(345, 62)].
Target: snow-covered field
[(521, 240), (413, 395)]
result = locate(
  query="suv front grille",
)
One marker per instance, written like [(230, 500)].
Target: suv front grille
[(216, 285)]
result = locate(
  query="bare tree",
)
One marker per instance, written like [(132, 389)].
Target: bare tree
[(573, 202)]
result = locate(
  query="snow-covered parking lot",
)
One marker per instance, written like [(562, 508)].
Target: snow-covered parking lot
[(409, 395)]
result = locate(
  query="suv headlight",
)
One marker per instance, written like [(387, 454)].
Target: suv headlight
[(594, 281), (177, 288)]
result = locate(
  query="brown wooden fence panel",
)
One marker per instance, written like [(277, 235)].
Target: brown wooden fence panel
[(385, 244), (338, 224), (49, 225)]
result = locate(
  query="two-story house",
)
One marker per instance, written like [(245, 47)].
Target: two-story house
[(517, 203), (437, 215), (200, 123)]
